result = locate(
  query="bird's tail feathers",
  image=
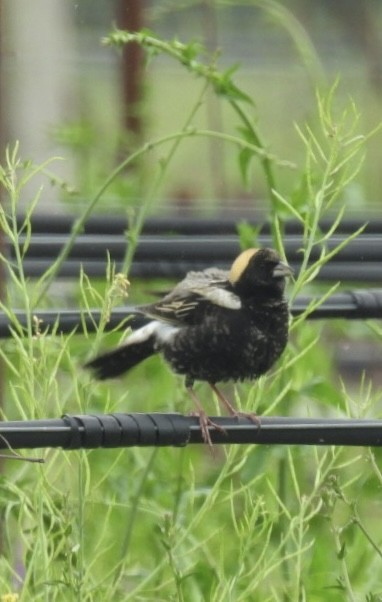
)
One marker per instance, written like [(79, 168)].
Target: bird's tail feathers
[(120, 360), (139, 346)]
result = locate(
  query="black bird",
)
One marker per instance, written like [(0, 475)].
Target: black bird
[(213, 326)]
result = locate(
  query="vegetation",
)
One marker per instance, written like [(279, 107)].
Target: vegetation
[(249, 523)]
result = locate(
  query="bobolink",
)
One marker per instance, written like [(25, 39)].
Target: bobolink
[(213, 326)]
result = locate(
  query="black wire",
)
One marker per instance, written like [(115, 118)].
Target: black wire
[(172, 256), (192, 248), (366, 272), (354, 305), (170, 246), (227, 223), (156, 429)]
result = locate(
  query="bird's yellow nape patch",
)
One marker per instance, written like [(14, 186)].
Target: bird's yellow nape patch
[(240, 264)]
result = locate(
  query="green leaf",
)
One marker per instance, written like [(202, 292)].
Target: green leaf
[(248, 234), (245, 156), (342, 552), (224, 86)]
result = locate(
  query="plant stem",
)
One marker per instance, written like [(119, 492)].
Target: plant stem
[(133, 515)]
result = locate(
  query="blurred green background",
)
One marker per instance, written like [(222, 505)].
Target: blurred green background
[(63, 90)]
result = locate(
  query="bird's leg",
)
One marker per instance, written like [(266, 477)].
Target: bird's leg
[(204, 420), (231, 410)]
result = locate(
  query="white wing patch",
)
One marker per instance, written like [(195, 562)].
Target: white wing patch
[(162, 331), (188, 301), (220, 297)]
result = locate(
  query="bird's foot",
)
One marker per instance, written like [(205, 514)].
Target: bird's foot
[(206, 423), (204, 420), (231, 410), (250, 415)]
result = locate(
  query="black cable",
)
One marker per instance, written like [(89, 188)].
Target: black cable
[(67, 320), (366, 272), (361, 304), (225, 223), (193, 248), (156, 429), (354, 305), (174, 256)]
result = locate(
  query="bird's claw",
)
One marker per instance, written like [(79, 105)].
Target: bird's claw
[(206, 423), (250, 415)]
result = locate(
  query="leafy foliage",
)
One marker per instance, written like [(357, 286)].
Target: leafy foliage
[(250, 523)]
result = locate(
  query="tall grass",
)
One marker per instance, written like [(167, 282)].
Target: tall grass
[(250, 523)]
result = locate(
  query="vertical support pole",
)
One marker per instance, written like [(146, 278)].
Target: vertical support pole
[(130, 17), (214, 112)]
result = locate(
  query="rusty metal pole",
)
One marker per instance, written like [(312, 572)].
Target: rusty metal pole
[(130, 17), (214, 111)]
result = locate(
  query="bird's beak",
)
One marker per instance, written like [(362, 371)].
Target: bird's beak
[(282, 269)]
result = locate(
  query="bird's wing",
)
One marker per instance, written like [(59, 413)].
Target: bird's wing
[(193, 296)]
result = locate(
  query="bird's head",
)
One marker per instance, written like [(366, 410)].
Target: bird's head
[(259, 269)]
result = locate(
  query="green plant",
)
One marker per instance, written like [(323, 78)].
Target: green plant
[(250, 523)]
